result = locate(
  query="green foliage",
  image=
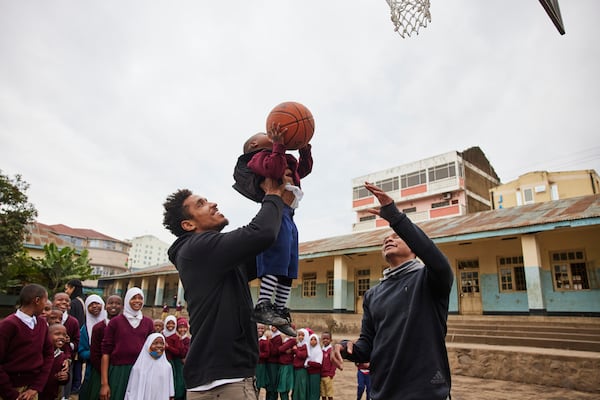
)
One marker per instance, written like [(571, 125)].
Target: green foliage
[(15, 214), (61, 265)]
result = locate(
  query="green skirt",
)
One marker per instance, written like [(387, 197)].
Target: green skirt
[(177, 366), (262, 376), (90, 388), (300, 384), (273, 371), (118, 378), (285, 378), (314, 386)]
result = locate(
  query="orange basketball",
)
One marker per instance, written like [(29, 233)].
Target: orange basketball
[(297, 119)]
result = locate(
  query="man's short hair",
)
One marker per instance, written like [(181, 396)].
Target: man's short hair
[(175, 212), (30, 292)]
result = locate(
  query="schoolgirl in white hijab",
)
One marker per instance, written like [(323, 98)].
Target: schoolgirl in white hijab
[(133, 316), (166, 332), (315, 353), (90, 319), (151, 376)]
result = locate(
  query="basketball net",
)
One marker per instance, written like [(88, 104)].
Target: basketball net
[(409, 15)]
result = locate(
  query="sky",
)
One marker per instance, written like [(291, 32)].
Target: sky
[(106, 107)]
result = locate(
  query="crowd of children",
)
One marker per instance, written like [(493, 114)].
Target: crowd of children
[(124, 355), (297, 368)]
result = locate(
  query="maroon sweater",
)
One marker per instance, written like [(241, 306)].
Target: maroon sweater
[(272, 164), (50, 391), (274, 355), (26, 356), (72, 326), (96, 345), (286, 354), (123, 342), (300, 355), (264, 350), (174, 347), (327, 369)]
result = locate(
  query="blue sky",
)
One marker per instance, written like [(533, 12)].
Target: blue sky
[(107, 107)]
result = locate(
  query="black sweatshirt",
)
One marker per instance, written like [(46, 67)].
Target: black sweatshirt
[(215, 269), (404, 322)]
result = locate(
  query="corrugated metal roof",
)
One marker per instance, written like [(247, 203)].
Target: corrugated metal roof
[(550, 214), (480, 224)]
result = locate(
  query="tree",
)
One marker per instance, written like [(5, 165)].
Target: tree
[(15, 214), (60, 266)]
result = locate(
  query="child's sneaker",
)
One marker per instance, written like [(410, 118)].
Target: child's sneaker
[(284, 313), (265, 314), (286, 328)]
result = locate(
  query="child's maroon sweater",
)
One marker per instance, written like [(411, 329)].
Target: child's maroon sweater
[(286, 358), (26, 356), (328, 368), (174, 347), (50, 391), (96, 345), (300, 355), (275, 343), (264, 350), (124, 342)]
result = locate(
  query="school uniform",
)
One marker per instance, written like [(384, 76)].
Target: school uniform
[(50, 391), (273, 365), (26, 354), (327, 373), (175, 352), (285, 377), (264, 351), (123, 343), (300, 373)]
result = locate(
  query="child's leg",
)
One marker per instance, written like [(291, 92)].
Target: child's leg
[(264, 312), (268, 283), (282, 292)]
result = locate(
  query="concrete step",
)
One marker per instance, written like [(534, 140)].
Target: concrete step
[(526, 341), (518, 332)]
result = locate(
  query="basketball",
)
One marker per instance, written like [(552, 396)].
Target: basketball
[(297, 119)]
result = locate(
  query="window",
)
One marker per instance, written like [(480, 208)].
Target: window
[(442, 171), (367, 218), (413, 179), (440, 204), (528, 196), (511, 274), (363, 281), (329, 283), (409, 210), (388, 185), (309, 285), (569, 270)]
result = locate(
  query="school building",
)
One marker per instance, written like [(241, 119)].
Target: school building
[(536, 259)]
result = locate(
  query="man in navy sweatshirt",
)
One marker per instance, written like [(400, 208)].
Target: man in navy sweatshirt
[(404, 322), (215, 269)]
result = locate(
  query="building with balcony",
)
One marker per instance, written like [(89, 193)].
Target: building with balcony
[(446, 185), (541, 186), (146, 251)]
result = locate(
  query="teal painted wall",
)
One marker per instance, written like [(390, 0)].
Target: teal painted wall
[(319, 302), (570, 301), (495, 301)]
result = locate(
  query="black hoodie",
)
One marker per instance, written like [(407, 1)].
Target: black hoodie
[(215, 269)]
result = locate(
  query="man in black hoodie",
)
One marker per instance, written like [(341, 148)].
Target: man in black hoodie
[(215, 269), (404, 321)]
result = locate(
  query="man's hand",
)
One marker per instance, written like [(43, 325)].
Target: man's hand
[(272, 186), (336, 354), (382, 196)]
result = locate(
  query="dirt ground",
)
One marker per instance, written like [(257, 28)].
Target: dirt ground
[(468, 388)]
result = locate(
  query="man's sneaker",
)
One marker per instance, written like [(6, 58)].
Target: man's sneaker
[(265, 314), (287, 329)]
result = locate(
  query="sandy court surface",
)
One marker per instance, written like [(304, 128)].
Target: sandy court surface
[(469, 388)]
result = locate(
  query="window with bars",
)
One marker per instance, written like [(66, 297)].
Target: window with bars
[(442, 171), (569, 270), (387, 185), (413, 179), (309, 284), (363, 281), (329, 283), (511, 274)]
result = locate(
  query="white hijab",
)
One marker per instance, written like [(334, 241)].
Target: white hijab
[(90, 320), (166, 333), (150, 378), (134, 317), (315, 354)]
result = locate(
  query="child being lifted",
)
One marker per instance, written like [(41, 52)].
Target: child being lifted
[(265, 156)]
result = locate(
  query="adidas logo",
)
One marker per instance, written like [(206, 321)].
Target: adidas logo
[(438, 378)]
